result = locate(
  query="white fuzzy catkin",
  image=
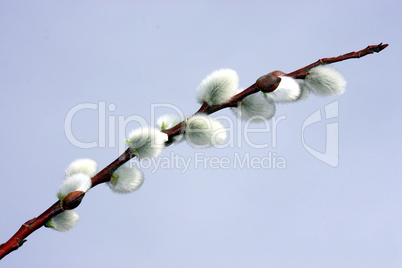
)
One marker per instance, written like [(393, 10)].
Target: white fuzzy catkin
[(126, 179), (204, 131), (218, 87), (288, 90), (86, 166), (64, 221), (76, 182), (147, 142), (255, 107), (325, 81), (168, 121), (304, 90)]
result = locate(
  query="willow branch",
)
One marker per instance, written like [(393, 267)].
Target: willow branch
[(265, 83)]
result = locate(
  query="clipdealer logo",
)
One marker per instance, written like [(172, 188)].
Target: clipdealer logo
[(330, 155)]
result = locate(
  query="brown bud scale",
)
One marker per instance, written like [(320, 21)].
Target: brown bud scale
[(269, 82), (72, 200)]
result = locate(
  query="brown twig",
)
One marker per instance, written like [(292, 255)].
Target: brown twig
[(301, 73), (266, 83)]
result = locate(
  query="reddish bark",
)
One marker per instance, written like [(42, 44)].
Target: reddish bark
[(301, 73)]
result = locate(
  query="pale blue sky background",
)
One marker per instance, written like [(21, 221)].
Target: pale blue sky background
[(55, 55)]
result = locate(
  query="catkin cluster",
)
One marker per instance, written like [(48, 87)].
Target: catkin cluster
[(200, 130)]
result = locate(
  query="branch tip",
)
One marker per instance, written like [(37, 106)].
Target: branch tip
[(377, 48)]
